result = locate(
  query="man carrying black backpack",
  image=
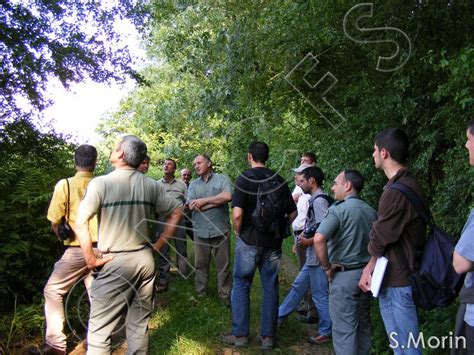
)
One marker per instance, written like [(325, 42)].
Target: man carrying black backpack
[(263, 208), (463, 262)]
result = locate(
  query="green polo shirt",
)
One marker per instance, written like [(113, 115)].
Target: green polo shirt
[(346, 228), (215, 221), (175, 189)]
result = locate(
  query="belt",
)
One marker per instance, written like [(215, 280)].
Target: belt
[(94, 245), (342, 268)]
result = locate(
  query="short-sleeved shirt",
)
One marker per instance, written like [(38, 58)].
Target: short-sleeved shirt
[(124, 199), (57, 208), (176, 189), (245, 197), (319, 207), (465, 248), (213, 222), (347, 228)]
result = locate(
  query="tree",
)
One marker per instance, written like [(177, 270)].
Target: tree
[(65, 39)]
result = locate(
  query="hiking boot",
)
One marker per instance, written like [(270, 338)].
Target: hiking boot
[(319, 339), (231, 339), (267, 343)]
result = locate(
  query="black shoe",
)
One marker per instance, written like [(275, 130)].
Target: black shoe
[(308, 319), (45, 349), (161, 288)]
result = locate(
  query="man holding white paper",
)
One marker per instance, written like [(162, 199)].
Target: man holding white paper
[(341, 245), (399, 234)]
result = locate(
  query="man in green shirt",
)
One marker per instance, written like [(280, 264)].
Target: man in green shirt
[(341, 245), (208, 198), (175, 189)]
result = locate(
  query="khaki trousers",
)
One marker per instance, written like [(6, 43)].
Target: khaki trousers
[(67, 272)]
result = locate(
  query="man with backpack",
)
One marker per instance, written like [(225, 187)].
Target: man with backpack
[(463, 262), (262, 210), (311, 276), (399, 234), (341, 245)]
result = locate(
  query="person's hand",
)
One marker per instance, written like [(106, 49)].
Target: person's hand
[(365, 279), (197, 204), (330, 272), (305, 242), (99, 262)]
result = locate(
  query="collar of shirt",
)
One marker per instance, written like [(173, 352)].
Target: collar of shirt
[(84, 174), (209, 178), (170, 182)]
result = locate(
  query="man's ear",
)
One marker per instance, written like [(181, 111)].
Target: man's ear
[(384, 153)]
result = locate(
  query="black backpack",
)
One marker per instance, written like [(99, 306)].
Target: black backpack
[(436, 284), (269, 215)]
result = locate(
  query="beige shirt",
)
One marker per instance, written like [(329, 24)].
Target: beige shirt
[(125, 201)]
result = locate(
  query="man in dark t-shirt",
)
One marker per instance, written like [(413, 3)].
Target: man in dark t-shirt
[(253, 249)]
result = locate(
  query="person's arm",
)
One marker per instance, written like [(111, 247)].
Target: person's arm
[(216, 200), (237, 215), (321, 249), (461, 264), (366, 277), (173, 219), (85, 240), (54, 228), (390, 223)]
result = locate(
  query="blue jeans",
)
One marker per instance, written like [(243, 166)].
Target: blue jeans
[(400, 319), (314, 277), (247, 259)]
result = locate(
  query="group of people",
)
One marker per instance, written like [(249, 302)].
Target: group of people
[(337, 238)]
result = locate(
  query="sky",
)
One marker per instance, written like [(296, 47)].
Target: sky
[(77, 111)]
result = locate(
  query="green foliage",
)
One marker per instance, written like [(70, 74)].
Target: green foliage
[(67, 40), (218, 82), (31, 163)]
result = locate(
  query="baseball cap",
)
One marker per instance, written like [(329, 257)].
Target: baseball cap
[(301, 168)]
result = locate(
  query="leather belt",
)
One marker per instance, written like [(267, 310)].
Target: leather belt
[(342, 268), (94, 245)]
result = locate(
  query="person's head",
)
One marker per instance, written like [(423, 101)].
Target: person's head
[(259, 152), (85, 157), (391, 143), (144, 165), (311, 179), (130, 151), (202, 165), (186, 175), (308, 158), (348, 182), (470, 141), (169, 166)]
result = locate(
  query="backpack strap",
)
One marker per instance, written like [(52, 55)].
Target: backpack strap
[(415, 201)]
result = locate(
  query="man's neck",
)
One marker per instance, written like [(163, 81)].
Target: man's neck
[(206, 176), (392, 168), (168, 177), (255, 164), (314, 189)]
